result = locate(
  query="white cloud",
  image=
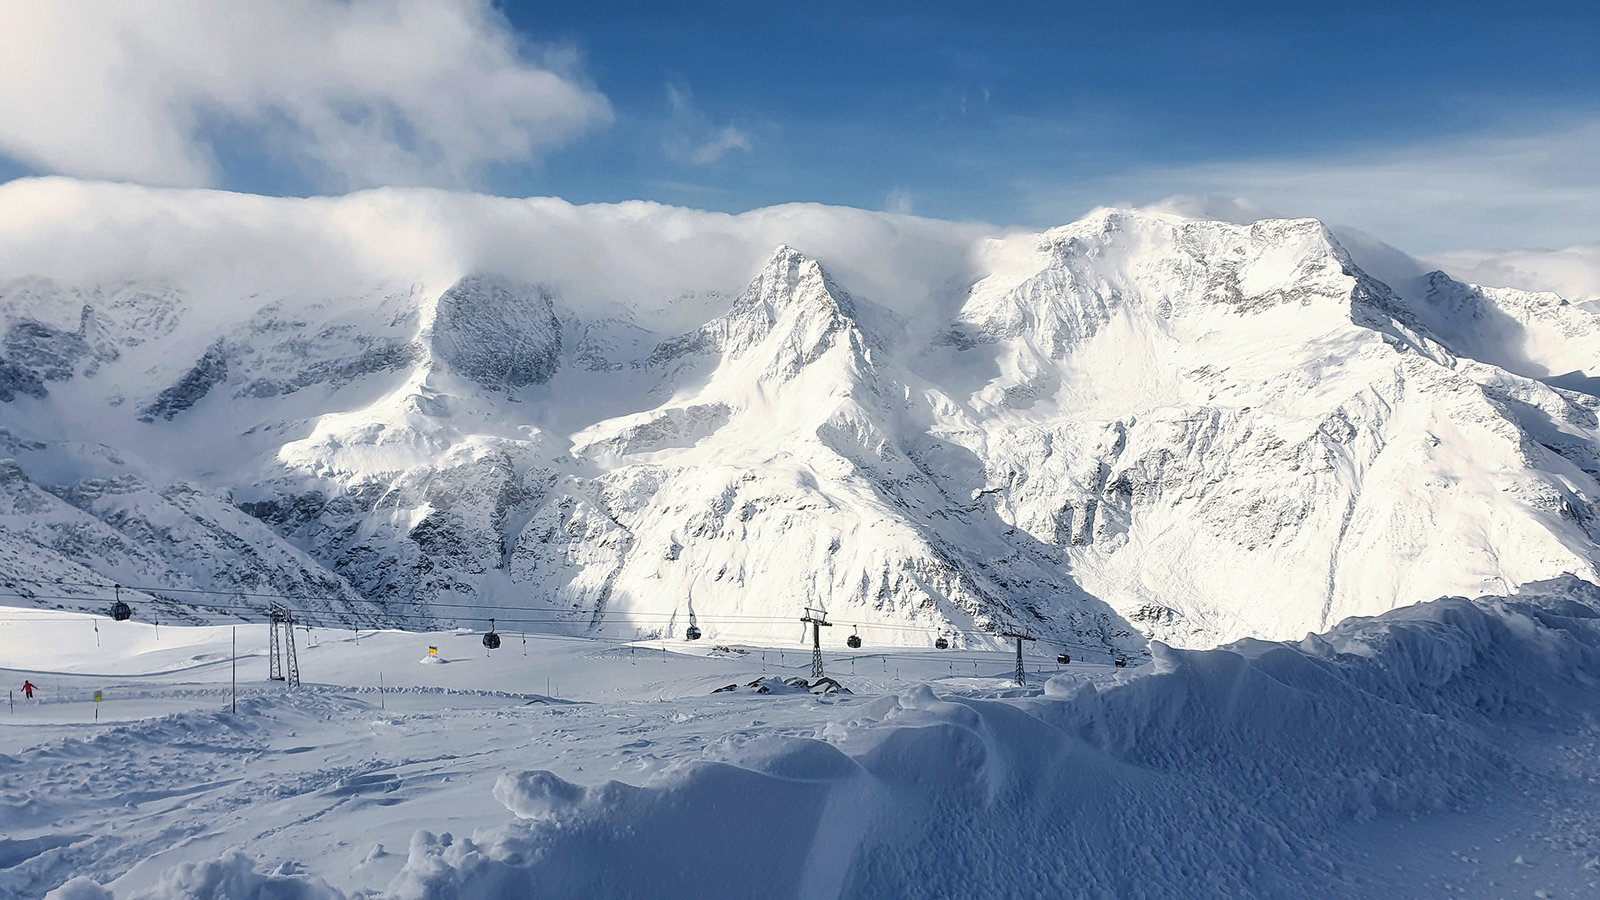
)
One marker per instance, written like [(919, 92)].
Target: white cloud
[(220, 245), (899, 201), (1573, 273), (1512, 187), (1216, 207), (693, 139), (717, 146), (357, 92)]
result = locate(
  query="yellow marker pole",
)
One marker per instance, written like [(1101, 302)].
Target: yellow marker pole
[(98, 696)]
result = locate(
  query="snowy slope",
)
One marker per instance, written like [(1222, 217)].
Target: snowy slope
[(621, 420), (1239, 432), (1448, 749)]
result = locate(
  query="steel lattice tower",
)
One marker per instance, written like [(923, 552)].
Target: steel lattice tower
[(817, 618), (1020, 638), (283, 664), (274, 656)]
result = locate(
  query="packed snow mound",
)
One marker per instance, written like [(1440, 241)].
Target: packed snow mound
[(233, 875), (618, 420), (1209, 774)]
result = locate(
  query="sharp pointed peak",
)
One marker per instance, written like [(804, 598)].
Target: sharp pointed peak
[(788, 267), (786, 255)]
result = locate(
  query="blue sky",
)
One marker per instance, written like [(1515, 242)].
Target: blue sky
[(1435, 125), (962, 105)]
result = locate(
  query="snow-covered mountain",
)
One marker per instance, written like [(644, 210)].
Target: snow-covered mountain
[(624, 420)]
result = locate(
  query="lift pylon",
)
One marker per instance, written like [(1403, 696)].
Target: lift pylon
[(818, 618), (1020, 638), (283, 664)]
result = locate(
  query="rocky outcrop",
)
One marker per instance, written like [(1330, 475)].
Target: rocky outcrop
[(209, 371), (496, 333), (35, 353)]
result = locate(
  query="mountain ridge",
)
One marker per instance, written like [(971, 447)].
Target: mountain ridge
[(1136, 425)]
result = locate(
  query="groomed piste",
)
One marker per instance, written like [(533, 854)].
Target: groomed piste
[(1448, 748)]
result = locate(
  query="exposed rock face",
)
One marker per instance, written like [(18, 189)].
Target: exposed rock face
[(496, 334), (208, 372), (172, 547), (36, 353), (1135, 425), (17, 379)]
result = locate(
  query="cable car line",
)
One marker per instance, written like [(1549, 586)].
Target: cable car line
[(121, 611)]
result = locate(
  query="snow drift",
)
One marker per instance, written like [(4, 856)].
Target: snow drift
[(1212, 773)]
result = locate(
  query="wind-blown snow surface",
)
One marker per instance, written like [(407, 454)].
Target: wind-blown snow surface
[(619, 420), (1449, 748)]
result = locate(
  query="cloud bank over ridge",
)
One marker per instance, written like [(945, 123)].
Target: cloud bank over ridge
[(637, 252)]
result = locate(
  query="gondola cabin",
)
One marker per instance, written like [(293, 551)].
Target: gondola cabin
[(941, 643), (491, 640), (121, 611), (693, 633), (1063, 658)]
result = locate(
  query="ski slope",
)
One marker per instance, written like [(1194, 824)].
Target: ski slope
[(1446, 749)]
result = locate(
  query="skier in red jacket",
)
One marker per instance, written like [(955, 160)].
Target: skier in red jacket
[(27, 689)]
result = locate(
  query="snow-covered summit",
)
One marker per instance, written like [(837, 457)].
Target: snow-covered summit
[(1135, 424), (1178, 272), (789, 316)]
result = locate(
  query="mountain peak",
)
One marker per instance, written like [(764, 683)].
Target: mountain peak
[(1163, 266), (1151, 391), (789, 275), (791, 313)]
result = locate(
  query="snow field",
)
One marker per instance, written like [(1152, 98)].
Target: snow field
[(170, 776), (1447, 749)]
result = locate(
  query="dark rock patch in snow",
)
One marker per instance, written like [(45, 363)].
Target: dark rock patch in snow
[(496, 333), (208, 372)]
